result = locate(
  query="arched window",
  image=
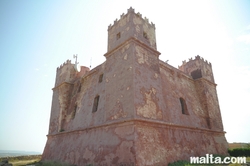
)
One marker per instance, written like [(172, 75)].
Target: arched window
[(95, 105), (183, 106)]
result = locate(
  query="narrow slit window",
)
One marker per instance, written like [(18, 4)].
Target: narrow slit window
[(183, 106), (74, 111), (145, 35), (100, 78), (118, 35), (95, 105)]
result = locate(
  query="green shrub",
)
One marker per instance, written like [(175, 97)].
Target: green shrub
[(239, 152)]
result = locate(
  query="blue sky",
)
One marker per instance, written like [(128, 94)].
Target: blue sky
[(38, 36)]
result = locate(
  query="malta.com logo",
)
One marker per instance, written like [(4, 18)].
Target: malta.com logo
[(210, 159)]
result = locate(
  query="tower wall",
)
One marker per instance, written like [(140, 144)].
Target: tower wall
[(160, 144), (119, 83), (201, 71), (106, 145), (176, 85), (66, 76), (148, 86)]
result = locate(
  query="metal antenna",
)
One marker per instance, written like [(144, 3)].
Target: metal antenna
[(75, 56)]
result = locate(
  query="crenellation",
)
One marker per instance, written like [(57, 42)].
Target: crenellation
[(64, 63), (68, 61), (122, 15), (141, 30), (109, 26), (139, 14), (131, 10), (153, 25), (197, 57), (197, 68)]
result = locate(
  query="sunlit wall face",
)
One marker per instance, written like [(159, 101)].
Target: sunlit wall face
[(38, 36)]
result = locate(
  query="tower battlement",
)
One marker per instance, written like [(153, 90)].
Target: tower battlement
[(131, 10), (197, 68), (67, 72), (65, 63), (131, 25)]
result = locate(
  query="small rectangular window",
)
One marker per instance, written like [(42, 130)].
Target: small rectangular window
[(196, 74), (100, 78), (145, 35), (95, 105), (118, 35), (183, 106)]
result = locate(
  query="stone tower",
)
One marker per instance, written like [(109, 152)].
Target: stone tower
[(134, 109)]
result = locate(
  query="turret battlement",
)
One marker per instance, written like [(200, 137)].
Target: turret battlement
[(65, 63), (131, 10), (65, 73), (197, 68), (196, 58), (131, 25), (69, 72)]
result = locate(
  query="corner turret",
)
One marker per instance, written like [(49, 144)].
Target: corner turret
[(198, 68), (65, 73)]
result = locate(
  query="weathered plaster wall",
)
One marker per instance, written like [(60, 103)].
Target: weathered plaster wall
[(175, 85), (107, 145), (140, 143), (54, 114), (148, 87), (159, 144), (61, 110), (209, 100), (82, 100), (119, 84)]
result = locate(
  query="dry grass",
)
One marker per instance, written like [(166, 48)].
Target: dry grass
[(22, 160)]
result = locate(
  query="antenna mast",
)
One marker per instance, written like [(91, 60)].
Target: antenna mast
[(75, 56)]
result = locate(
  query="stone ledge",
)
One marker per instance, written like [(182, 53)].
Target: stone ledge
[(142, 121)]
